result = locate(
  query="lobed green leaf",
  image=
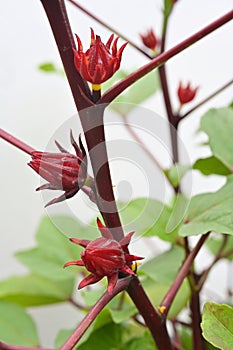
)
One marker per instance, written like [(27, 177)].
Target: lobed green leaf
[(210, 212), (217, 325)]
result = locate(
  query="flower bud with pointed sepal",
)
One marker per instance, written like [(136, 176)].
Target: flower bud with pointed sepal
[(104, 256), (186, 93), (150, 40), (100, 61), (63, 171)]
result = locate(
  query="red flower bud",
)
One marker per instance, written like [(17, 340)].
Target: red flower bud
[(104, 256), (98, 64), (150, 40), (63, 171), (186, 94)]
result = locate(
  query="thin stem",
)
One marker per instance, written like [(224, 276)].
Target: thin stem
[(141, 143), (4, 346), (218, 256), (118, 88), (110, 28), (208, 98), (93, 313), (167, 100), (170, 295), (198, 340), (154, 320), (16, 142)]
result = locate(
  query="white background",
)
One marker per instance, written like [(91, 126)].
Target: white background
[(34, 105)]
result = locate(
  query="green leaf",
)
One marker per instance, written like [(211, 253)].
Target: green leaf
[(211, 165), (149, 217), (218, 125), (108, 337), (102, 319), (144, 342), (135, 94), (16, 326), (49, 67), (176, 173), (32, 290), (164, 267), (156, 292), (161, 272), (215, 243), (54, 248), (217, 325), (128, 310), (210, 212)]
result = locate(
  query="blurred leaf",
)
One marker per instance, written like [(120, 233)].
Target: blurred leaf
[(108, 337), (135, 94), (32, 290), (217, 325), (176, 173), (164, 267), (214, 245), (127, 311), (149, 217), (16, 326), (218, 125), (162, 271), (54, 249), (157, 290), (210, 212), (145, 342), (102, 319), (211, 165), (185, 335), (49, 67)]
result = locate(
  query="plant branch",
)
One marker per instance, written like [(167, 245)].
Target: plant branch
[(16, 142), (155, 321), (184, 270), (121, 285), (208, 98), (118, 88), (167, 100), (198, 340), (218, 256)]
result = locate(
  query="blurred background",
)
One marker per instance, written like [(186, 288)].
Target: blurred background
[(35, 106)]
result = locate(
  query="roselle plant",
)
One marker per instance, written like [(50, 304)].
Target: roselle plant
[(156, 304)]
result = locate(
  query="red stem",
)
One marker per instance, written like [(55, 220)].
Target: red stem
[(118, 88), (93, 313), (154, 320), (16, 142), (170, 295), (198, 340)]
